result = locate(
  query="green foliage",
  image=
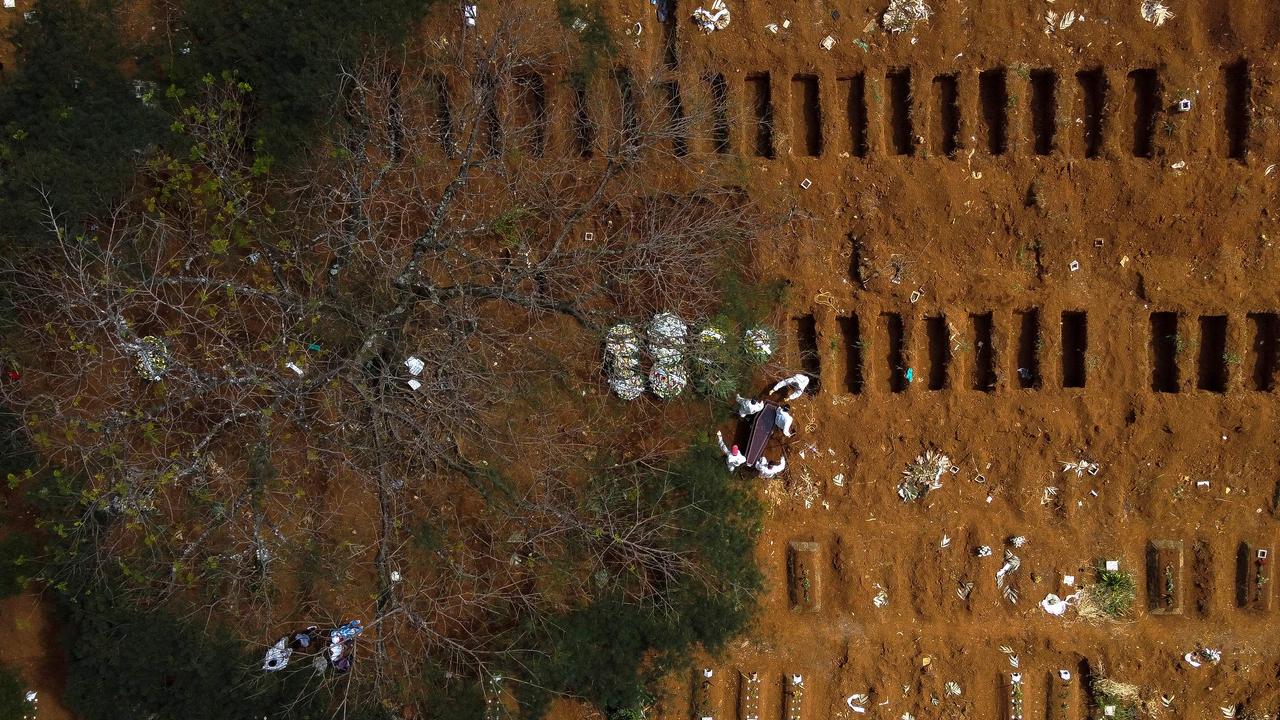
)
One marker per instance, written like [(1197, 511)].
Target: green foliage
[(596, 42), (127, 662), (1114, 592), (17, 563), (13, 696), (71, 128), (611, 650), (291, 52), (749, 303)]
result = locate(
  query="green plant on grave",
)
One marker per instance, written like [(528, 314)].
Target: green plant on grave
[(1113, 593)]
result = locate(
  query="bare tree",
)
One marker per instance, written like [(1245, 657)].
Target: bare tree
[(347, 390)]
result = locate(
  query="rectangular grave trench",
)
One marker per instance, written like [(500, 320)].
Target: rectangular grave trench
[(1093, 90), (853, 89), (993, 98), (1164, 577), (895, 334), (760, 97), (1236, 112), (1044, 106), (584, 131), (807, 339), (1075, 346), (901, 133), (1028, 369), (851, 336), (748, 695), (803, 575), (1264, 350), (720, 130), (1144, 87), (1254, 576), (946, 126), (1212, 368), (1164, 352), (984, 354), (806, 114), (939, 338)]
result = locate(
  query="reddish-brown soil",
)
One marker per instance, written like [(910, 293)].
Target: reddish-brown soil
[(986, 242)]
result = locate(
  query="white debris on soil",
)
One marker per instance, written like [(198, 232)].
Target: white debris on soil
[(902, 15), (1054, 21), (882, 597), (717, 18), (1155, 12), (923, 475)]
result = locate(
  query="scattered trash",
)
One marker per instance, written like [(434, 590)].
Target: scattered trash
[(1017, 541), (1055, 605), (153, 358), (1074, 265), (951, 688), (806, 183), (923, 475), (1054, 21), (1202, 484), (1011, 563), (1155, 12), (1196, 658), (1183, 105), (946, 541), (579, 25), (1011, 595), (1112, 565), (902, 15), (1228, 711), (838, 480), (983, 551), (469, 14), (717, 18), (1069, 580), (857, 702), (415, 365), (294, 367), (1079, 467), (828, 42), (414, 384), (1180, 165), (396, 576), (881, 598), (911, 376), (1166, 700), (772, 27), (964, 590)]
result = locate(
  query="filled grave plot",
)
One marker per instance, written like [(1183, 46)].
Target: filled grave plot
[(1012, 695), (793, 697), (1062, 699), (748, 695), (1253, 576), (1164, 577), (803, 580), (704, 700)]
